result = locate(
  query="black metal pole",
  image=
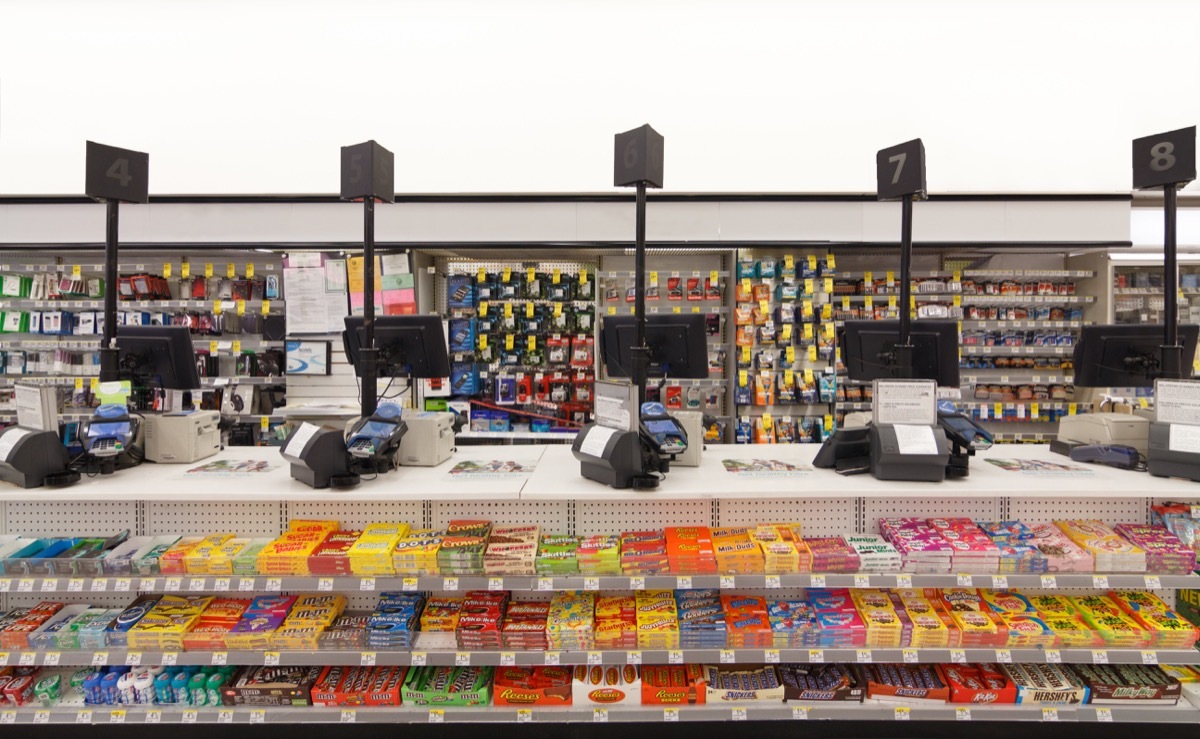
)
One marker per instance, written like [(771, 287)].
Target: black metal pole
[(369, 353), (641, 354), (1172, 352), (108, 349), (904, 348)]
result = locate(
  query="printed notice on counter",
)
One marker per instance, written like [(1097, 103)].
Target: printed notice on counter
[(232, 468), (615, 403), (1184, 438), (475, 468), (596, 440), (764, 468), (300, 439), (905, 401), (915, 439), (1039, 467), (1177, 401)]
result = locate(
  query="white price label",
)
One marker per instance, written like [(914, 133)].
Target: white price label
[(462, 659), (270, 659), (220, 658), (600, 715), (349, 716), (173, 584), (221, 584), (728, 656), (728, 581), (800, 713), (41, 717), (591, 583), (1100, 582), (225, 717), (83, 717), (962, 713), (417, 659), (902, 713), (5, 585), (3, 659), (545, 583), (737, 714), (122, 584), (274, 583), (773, 582), (1049, 714), (99, 659), (409, 584), (50, 585), (116, 716), (52, 659), (133, 659), (683, 582), (1099, 656), (100, 584), (170, 659), (245, 584), (508, 659), (771, 656), (495, 583), (437, 716), (1104, 715), (1004, 656), (196, 584), (1000, 582), (325, 584), (674, 657), (366, 659), (8, 717), (862, 581), (670, 714), (524, 716), (27, 659), (864, 656), (189, 717), (910, 656), (551, 658), (1053, 657), (1049, 581), (958, 656), (1149, 658), (904, 581), (816, 656), (450, 583), (154, 716), (817, 581), (633, 658), (1153, 582), (25, 585), (258, 717), (637, 583), (965, 580)]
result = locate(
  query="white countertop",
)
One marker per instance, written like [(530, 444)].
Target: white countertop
[(556, 477)]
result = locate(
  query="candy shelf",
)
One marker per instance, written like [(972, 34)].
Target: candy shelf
[(1057, 351), (98, 304), (68, 713)]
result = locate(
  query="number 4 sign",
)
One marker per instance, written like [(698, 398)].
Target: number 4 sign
[(117, 174), (1164, 159)]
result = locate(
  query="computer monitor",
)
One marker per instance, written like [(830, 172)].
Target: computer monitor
[(678, 345), (1127, 355), (868, 349), (157, 356), (409, 346)]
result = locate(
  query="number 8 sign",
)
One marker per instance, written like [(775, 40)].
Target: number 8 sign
[(1164, 159)]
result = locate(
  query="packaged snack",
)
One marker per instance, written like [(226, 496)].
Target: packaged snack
[(448, 686), (978, 684), (822, 682), (1117, 684), (733, 683), (1046, 684), (673, 685), (906, 683), (532, 686), (271, 686), (608, 685)]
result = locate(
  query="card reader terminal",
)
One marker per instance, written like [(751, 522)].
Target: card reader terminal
[(109, 432), (661, 431), (964, 432), (374, 440)]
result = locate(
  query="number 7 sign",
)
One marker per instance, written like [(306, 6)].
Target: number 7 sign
[(900, 171)]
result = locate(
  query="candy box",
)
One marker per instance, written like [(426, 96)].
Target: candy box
[(271, 686), (822, 682), (1046, 684), (196, 561), (728, 683), (978, 684), (905, 683), (117, 632), (609, 685), (532, 686), (673, 685), (448, 686), (207, 635), (1141, 684), (145, 561), (1006, 601), (171, 562), (359, 686), (310, 525), (272, 604)]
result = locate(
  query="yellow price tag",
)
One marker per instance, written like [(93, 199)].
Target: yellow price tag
[(612, 310), (1071, 409), (676, 309), (483, 339), (264, 422), (557, 310), (958, 275), (789, 378), (212, 348), (695, 309), (237, 346), (1144, 402), (530, 274), (766, 421), (785, 333), (830, 262), (76, 270), (891, 278), (810, 286), (508, 310), (998, 409), (506, 274), (808, 376), (241, 307), (532, 343), (957, 301), (556, 277), (808, 330), (869, 302), (868, 278), (789, 262), (249, 270), (912, 302), (208, 271), (828, 285), (216, 307), (812, 262), (764, 307), (829, 330), (78, 383), (845, 302), (745, 355), (807, 309), (529, 310), (167, 270), (230, 270), (509, 340), (812, 353), (185, 270), (746, 286), (891, 302), (828, 423), (583, 276), (743, 378), (1034, 410), (483, 308), (266, 307), (654, 279), (713, 278), (790, 354), (94, 383), (481, 275)]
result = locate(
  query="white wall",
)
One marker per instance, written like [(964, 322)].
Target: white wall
[(251, 96)]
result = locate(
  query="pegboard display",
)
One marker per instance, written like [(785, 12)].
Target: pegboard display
[(62, 519), (357, 515), (825, 517), (552, 517), (250, 519), (599, 518), (1108, 510), (978, 509)]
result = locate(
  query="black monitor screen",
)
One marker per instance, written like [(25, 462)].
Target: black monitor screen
[(678, 345), (157, 356), (409, 346), (868, 350), (1127, 355)]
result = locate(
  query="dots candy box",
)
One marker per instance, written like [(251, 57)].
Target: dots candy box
[(1111, 552), (1047, 684), (416, 552), (609, 685), (822, 682), (906, 683)]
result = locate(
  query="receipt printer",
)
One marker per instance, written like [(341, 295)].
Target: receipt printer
[(180, 438), (30, 459), (1106, 429), (430, 439), (1174, 451), (909, 452)]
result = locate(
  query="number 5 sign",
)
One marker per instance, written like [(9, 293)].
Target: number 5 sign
[(1164, 159), (117, 174)]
